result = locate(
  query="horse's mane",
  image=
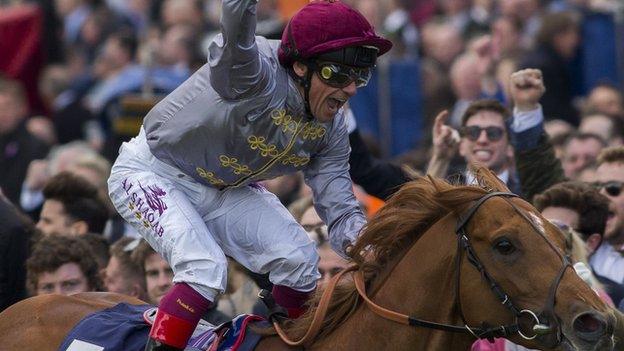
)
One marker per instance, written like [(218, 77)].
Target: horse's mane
[(405, 216)]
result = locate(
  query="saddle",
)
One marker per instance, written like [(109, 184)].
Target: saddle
[(125, 327), (234, 335)]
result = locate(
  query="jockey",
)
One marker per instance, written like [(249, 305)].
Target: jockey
[(258, 109)]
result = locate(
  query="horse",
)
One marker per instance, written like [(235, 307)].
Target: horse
[(452, 263)]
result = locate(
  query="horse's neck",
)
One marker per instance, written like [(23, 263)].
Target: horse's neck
[(421, 285)]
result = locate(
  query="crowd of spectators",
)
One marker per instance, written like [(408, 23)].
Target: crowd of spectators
[(107, 62)]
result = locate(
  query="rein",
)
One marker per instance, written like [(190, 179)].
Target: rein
[(483, 332)]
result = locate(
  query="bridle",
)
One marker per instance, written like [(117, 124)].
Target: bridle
[(542, 323), (545, 322)]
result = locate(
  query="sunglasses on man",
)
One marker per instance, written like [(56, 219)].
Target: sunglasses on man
[(340, 76), (612, 188), (473, 133)]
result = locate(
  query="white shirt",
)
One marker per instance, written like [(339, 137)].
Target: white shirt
[(608, 263)]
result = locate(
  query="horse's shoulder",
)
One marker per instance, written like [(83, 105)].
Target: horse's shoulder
[(106, 298)]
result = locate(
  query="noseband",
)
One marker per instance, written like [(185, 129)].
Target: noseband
[(542, 323)]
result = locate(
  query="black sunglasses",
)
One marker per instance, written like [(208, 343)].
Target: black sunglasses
[(340, 76), (473, 132), (612, 188)]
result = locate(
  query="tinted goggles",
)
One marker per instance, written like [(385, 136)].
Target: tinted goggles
[(474, 132), (612, 188), (340, 76)]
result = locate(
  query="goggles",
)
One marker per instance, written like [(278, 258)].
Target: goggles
[(474, 132), (340, 76)]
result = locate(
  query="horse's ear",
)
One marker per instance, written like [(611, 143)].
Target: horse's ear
[(488, 179), (438, 184)]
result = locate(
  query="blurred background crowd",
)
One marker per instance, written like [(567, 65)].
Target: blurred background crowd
[(77, 76)]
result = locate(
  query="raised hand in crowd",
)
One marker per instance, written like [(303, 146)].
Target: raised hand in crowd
[(37, 175), (484, 48), (445, 144), (527, 88)]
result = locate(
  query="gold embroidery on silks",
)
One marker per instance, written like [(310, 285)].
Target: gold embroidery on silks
[(209, 176), (287, 124), (295, 160), (256, 142), (232, 162), (312, 131), (280, 118)]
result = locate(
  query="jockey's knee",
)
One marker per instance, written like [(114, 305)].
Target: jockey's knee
[(207, 277), (298, 270)]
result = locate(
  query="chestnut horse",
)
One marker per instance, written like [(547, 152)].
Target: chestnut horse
[(469, 260)]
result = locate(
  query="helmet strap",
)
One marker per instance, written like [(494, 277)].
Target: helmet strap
[(306, 83)]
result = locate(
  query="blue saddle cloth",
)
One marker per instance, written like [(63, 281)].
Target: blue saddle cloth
[(117, 328), (126, 327)]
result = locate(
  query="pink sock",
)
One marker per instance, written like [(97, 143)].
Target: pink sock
[(178, 314), (291, 299)]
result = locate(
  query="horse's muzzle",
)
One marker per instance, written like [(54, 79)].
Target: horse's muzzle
[(593, 331)]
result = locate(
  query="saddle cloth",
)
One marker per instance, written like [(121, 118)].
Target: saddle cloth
[(126, 327)]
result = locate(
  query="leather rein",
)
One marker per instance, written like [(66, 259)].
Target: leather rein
[(536, 321)]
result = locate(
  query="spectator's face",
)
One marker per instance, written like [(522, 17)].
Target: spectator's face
[(567, 42), (329, 264), (12, 111), (114, 55), (158, 277), (578, 154), (114, 280), (171, 49), (606, 100), (505, 35), (485, 150), (613, 172), (67, 279), (563, 215), (600, 125), (64, 7), (53, 220), (314, 225), (465, 78)]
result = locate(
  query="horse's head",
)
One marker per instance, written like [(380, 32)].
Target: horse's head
[(513, 272)]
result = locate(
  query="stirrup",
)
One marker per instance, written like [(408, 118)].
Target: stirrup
[(277, 313), (155, 345)]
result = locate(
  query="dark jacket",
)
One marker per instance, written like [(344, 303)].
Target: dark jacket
[(557, 100), (17, 149), (536, 165), (16, 232), (380, 179)]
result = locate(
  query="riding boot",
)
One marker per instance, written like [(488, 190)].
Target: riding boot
[(288, 302), (155, 345), (178, 314)]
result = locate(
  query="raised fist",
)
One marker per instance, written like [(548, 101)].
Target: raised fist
[(527, 88)]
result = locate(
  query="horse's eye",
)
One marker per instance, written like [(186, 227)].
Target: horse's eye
[(504, 247)]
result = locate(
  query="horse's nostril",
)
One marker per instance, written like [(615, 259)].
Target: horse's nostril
[(590, 326)]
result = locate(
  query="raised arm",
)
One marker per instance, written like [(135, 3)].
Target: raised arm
[(235, 63), (537, 166), (445, 143)]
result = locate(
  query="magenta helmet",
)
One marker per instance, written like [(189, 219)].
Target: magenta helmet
[(328, 28)]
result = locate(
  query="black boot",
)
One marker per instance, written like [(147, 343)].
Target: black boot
[(155, 345), (276, 312)]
